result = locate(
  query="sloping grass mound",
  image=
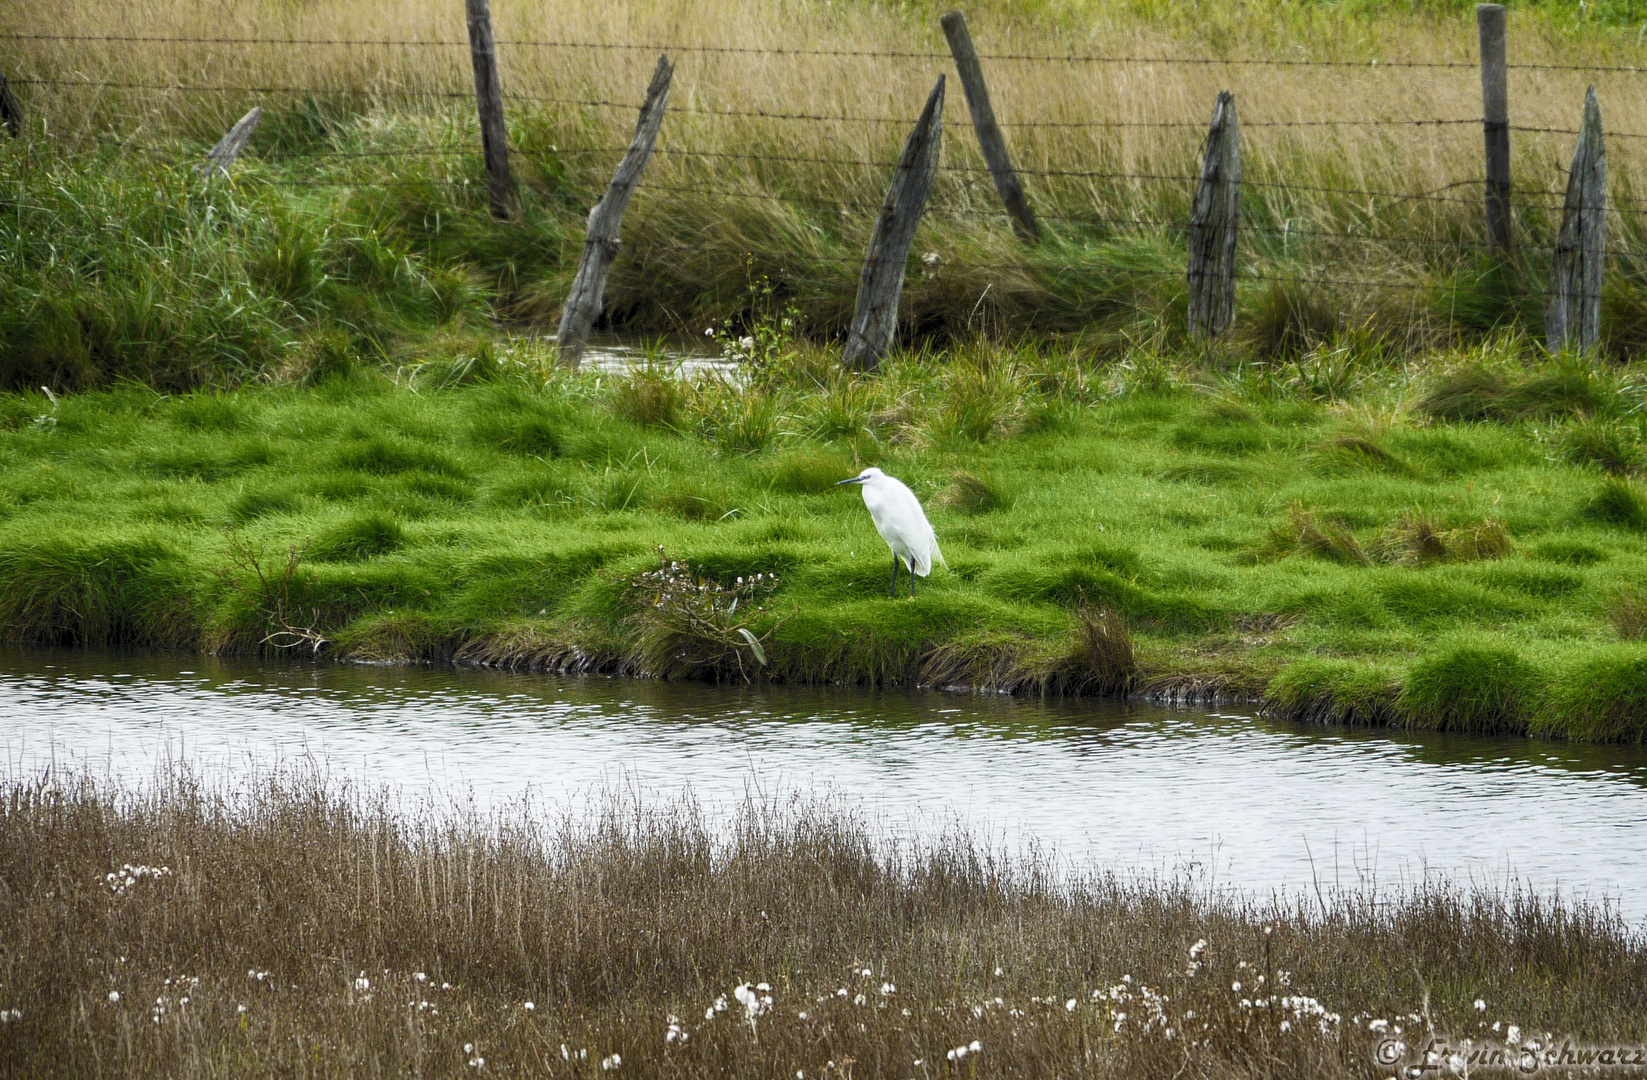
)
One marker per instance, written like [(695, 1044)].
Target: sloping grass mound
[(1470, 689), (71, 591)]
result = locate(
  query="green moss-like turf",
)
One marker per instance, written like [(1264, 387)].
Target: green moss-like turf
[(501, 522)]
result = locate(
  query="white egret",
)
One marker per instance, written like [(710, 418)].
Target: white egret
[(902, 524)]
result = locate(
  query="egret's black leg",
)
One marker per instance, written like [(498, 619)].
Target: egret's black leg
[(912, 581), (894, 592)]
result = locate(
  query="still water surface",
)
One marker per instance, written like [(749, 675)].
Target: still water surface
[(1235, 800)]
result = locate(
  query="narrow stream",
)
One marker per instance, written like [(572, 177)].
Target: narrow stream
[(1229, 798)]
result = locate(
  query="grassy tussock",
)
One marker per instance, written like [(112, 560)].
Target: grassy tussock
[(185, 929)]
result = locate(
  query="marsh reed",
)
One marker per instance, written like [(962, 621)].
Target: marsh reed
[(291, 925)]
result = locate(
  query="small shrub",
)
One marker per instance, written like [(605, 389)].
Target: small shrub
[(689, 625), (1616, 503), (973, 494), (360, 537)]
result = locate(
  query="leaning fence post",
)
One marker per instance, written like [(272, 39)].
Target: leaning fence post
[(875, 316), (990, 140), (1214, 220), (600, 246), (1495, 124), (229, 146), (1573, 315), (11, 110), (494, 139)]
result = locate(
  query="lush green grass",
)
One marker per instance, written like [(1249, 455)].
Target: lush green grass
[(1163, 525)]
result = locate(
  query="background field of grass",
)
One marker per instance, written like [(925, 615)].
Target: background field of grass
[(1356, 559), (356, 225)]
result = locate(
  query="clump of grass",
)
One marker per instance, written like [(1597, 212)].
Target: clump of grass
[(1475, 392), (649, 397), (293, 913), (1416, 540), (1627, 612), (263, 502), (1104, 659), (1612, 446), (1470, 688), (1572, 552), (1324, 691), (973, 494), (695, 500), (1302, 534), (809, 471), (1288, 320), (362, 536), (1618, 504), (1354, 453)]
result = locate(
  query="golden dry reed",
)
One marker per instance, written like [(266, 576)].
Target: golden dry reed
[(291, 926), (744, 190), (757, 75)]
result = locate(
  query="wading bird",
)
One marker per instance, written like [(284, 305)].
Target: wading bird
[(902, 524)]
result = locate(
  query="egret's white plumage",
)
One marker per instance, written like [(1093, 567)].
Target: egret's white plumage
[(902, 524)]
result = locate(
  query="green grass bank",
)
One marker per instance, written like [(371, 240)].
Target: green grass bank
[(1349, 537)]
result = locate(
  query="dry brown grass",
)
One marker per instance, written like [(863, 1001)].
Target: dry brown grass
[(1396, 158), (243, 958)]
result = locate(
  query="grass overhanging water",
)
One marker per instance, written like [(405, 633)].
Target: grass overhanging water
[(296, 925), (294, 418)]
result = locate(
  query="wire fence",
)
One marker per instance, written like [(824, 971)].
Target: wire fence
[(1623, 205)]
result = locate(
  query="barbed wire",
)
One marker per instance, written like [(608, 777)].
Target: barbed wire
[(220, 88), (879, 54)]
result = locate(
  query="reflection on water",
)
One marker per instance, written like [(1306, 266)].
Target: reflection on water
[(1242, 801), (686, 357)]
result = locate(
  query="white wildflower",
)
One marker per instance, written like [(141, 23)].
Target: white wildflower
[(607, 1064), (114, 997)]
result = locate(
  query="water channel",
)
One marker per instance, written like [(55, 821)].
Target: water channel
[(1230, 798)]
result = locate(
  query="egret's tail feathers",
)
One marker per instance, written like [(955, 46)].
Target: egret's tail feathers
[(923, 567)]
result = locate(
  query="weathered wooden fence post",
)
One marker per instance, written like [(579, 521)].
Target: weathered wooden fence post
[(1215, 218), (229, 146), (990, 140), (875, 316), (494, 138), (1495, 124), (1572, 318), (600, 246), (11, 110)]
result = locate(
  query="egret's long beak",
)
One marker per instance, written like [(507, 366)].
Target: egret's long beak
[(854, 480)]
